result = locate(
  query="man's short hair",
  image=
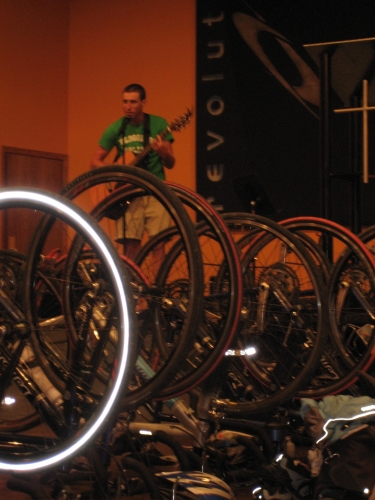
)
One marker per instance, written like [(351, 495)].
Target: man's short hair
[(135, 87)]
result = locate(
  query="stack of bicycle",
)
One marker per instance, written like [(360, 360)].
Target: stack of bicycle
[(241, 317)]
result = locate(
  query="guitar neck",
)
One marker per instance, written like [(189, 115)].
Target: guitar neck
[(177, 124)]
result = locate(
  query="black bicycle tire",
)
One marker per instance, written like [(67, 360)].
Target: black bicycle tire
[(188, 382), (353, 244), (244, 409), (140, 178), (210, 219)]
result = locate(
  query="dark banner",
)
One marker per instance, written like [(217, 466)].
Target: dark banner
[(258, 100)]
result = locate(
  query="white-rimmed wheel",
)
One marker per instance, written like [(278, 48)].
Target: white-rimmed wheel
[(92, 375)]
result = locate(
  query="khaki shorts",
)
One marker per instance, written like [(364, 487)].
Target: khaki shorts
[(143, 214)]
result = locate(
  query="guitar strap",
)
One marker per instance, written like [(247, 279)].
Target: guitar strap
[(121, 133), (146, 139)]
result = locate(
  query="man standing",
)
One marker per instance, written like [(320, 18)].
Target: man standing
[(131, 135)]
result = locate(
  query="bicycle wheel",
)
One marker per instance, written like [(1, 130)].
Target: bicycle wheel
[(156, 366), (73, 419), (222, 291), (168, 297), (325, 239), (350, 285), (281, 337)]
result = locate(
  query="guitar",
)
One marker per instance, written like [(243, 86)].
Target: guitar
[(178, 124), (133, 160)]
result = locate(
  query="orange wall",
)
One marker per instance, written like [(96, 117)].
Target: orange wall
[(116, 42), (64, 64), (34, 74)]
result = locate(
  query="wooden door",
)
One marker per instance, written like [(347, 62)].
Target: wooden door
[(29, 168)]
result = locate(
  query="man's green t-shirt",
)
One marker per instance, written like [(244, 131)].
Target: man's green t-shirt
[(134, 141)]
